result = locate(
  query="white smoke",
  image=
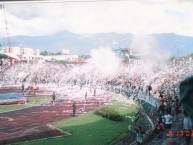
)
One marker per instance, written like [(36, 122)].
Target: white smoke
[(105, 61), (146, 47)]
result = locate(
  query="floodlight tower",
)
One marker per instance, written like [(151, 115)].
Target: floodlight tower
[(2, 7)]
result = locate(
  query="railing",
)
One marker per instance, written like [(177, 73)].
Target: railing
[(150, 104)]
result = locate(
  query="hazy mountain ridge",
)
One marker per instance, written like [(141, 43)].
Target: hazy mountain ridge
[(83, 43)]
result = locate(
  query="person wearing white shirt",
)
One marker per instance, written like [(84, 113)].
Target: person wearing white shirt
[(168, 121)]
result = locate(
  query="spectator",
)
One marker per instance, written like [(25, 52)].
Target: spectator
[(161, 109), (168, 121), (139, 135), (187, 122), (149, 89), (168, 107), (186, 93), (173, 108)]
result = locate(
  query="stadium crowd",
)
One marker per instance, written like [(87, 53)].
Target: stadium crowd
[(156, 88)]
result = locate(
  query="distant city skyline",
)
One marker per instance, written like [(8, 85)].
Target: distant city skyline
[(139, 17)]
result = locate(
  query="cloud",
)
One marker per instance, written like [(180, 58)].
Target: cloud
[(139, 17), (23, 11)]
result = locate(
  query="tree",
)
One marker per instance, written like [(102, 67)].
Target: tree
[(44, 53), (58, 53)]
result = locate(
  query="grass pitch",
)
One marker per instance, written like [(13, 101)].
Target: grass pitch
[(91, 129)]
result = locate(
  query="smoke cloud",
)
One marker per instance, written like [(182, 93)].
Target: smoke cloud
[(146, 48), (104, 60)]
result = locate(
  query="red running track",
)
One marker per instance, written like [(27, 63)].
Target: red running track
[(31, 123)]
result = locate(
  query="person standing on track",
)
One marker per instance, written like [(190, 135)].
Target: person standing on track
[(22, 86), (74, 109), (53, 98), (94, 92), (86, 97)]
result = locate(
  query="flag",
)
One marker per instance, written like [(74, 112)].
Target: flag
[(186, 95)]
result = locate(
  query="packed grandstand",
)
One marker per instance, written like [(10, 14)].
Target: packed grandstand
[(154, 87)]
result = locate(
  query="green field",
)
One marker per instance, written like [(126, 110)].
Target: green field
[(91, 129), (31, 101)]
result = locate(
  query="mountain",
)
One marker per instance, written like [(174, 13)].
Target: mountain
[(83, 43), (178, 45)]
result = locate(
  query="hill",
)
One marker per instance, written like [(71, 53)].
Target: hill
[(83, 43)]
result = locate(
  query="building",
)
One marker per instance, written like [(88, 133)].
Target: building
[(68, 58), (13, 50), (65, 56), (29, 54), (25, 54), (22, 54)]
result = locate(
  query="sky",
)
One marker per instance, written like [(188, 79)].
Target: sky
[(139, 17)]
